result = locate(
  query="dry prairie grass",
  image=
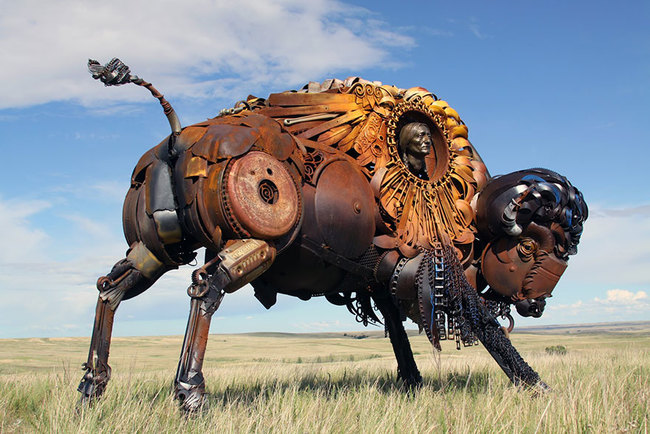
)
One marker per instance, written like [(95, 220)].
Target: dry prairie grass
[(330, 384)]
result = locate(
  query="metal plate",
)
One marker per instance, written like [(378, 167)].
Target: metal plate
[(262, 195), (222, 141), (345, 209)]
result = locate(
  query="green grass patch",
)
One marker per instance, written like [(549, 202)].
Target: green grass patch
[(556, 349)]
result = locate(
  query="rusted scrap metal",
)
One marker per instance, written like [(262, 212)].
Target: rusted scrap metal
[(366, 194)]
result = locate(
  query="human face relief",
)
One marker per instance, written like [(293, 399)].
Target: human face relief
[(421, 142)]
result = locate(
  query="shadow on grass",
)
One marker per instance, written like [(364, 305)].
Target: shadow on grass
[(325, 386), (350, 382)]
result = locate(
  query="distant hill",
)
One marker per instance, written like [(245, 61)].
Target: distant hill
[(635, 327), (632, 327)]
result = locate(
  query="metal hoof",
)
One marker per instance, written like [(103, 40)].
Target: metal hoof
[(91, 388), (85, 402), (191, 397), (411, 383), (542, 388), (192, 400)]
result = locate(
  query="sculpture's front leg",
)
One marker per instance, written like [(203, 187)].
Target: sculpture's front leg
[(406, 366), (491, 334), (471, 314)]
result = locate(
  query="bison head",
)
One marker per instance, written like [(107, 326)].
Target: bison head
[(529, 222)]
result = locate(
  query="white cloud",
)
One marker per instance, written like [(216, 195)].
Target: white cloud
[(112, 190), (194, 48), (104, 191), (475, 29), (618, 305), (98, 230), (47, 279), (623, 297), (20, 241)]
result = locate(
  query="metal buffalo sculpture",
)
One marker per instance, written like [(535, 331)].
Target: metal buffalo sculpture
[(366, 194)]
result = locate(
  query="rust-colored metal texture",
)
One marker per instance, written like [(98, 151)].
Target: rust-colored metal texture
[(367, 194), (531, 221), (261, 195)]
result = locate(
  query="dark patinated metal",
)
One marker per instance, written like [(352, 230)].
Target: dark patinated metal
[(366, 194)]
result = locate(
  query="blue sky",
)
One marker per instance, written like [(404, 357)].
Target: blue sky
[(562, 85)]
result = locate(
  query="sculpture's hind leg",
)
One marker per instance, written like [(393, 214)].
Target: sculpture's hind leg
[(406, 367), (129, 277), (206, 297), (98, 372), (236, 265)]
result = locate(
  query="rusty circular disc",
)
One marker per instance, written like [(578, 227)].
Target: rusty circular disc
[(262, 195)]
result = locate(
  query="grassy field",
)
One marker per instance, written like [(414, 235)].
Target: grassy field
[(334, 383)]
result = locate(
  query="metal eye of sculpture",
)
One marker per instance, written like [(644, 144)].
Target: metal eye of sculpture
[(363, 193)]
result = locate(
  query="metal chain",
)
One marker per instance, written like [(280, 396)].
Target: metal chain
[(395, 276), (447, 301)]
